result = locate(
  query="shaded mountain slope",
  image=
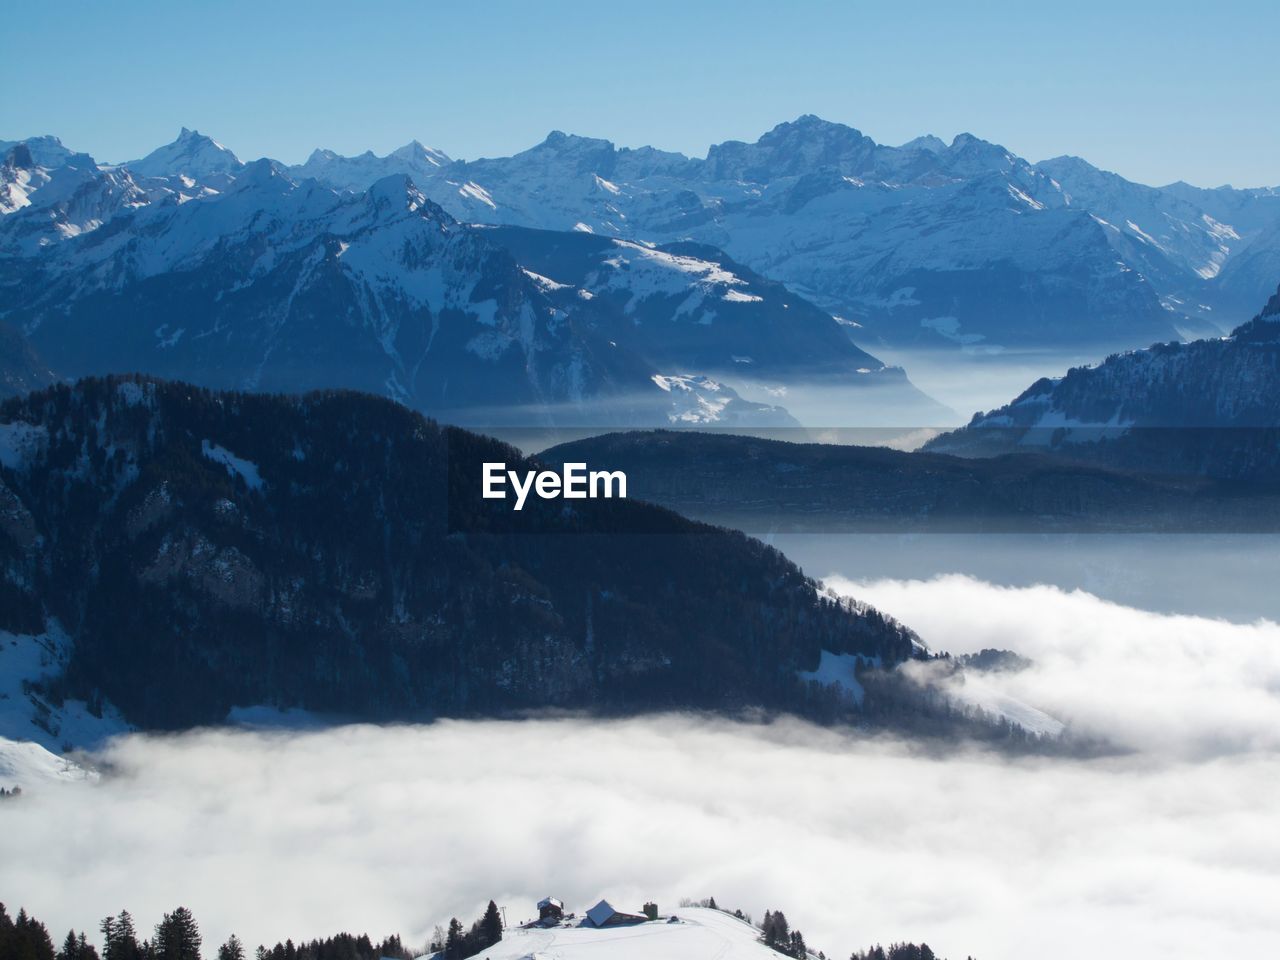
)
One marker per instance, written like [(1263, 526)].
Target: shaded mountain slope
[(203, 550), (1207, 407), (758, 484)]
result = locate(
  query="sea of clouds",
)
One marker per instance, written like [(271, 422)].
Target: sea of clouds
[(1168, 847)]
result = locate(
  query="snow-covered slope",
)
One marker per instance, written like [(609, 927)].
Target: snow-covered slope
[(699, 934), (28, 715), (27, 765), (689, 309), (35, 730)]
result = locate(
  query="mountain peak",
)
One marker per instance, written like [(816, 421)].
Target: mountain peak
[(263, 174), (562, 142), (397, 192), (417, 151), (192, 155), (321, 155), (804, 145), (929, 143), (46, 151), (811, 125)]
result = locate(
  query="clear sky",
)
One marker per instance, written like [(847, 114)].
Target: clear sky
[(1157, 91)]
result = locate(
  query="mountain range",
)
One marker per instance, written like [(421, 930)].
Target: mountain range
[(959, 244), (191, 264), (929, 245)]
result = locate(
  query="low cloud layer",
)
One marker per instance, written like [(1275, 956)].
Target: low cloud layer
[(1184, 686), (1168, 851)]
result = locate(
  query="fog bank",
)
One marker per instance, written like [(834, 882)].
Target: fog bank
[(1172, 850)]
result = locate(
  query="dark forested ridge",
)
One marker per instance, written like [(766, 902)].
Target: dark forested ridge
[(331, 552), (1205, 408), (759, 484)]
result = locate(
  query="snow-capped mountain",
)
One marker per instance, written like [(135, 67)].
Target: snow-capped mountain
[(357, 173), (1189, 242), (961, 245), (689, 308), (282, 286), (274, 283), (49, 204), (46, 151), (192, 157), (1209, 406)]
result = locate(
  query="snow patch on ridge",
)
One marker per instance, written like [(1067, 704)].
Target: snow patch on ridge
[(238, 466)]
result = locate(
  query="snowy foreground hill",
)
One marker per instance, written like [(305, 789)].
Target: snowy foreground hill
[(699, 933)]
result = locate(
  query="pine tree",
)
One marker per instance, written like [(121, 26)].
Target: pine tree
[(119, 939), (454, 944), (70, 947), (177, 937), (490, 926), (233, 949), (25, 939)]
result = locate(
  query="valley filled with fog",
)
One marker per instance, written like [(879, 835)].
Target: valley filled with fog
[(1163, 843)]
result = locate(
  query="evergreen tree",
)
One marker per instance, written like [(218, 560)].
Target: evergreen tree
[(119, 939), (24, 938), (490, 926), (233, 949), (77, 947), (177, 937), (70, 947), (454, 943)]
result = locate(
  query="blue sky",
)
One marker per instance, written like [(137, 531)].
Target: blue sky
[(1155, 91)]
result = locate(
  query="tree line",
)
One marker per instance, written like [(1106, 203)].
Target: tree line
[(177, 937), (778, 935)]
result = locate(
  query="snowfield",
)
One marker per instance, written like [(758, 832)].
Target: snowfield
[(34, 731), (28, 765), (700, 934)]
